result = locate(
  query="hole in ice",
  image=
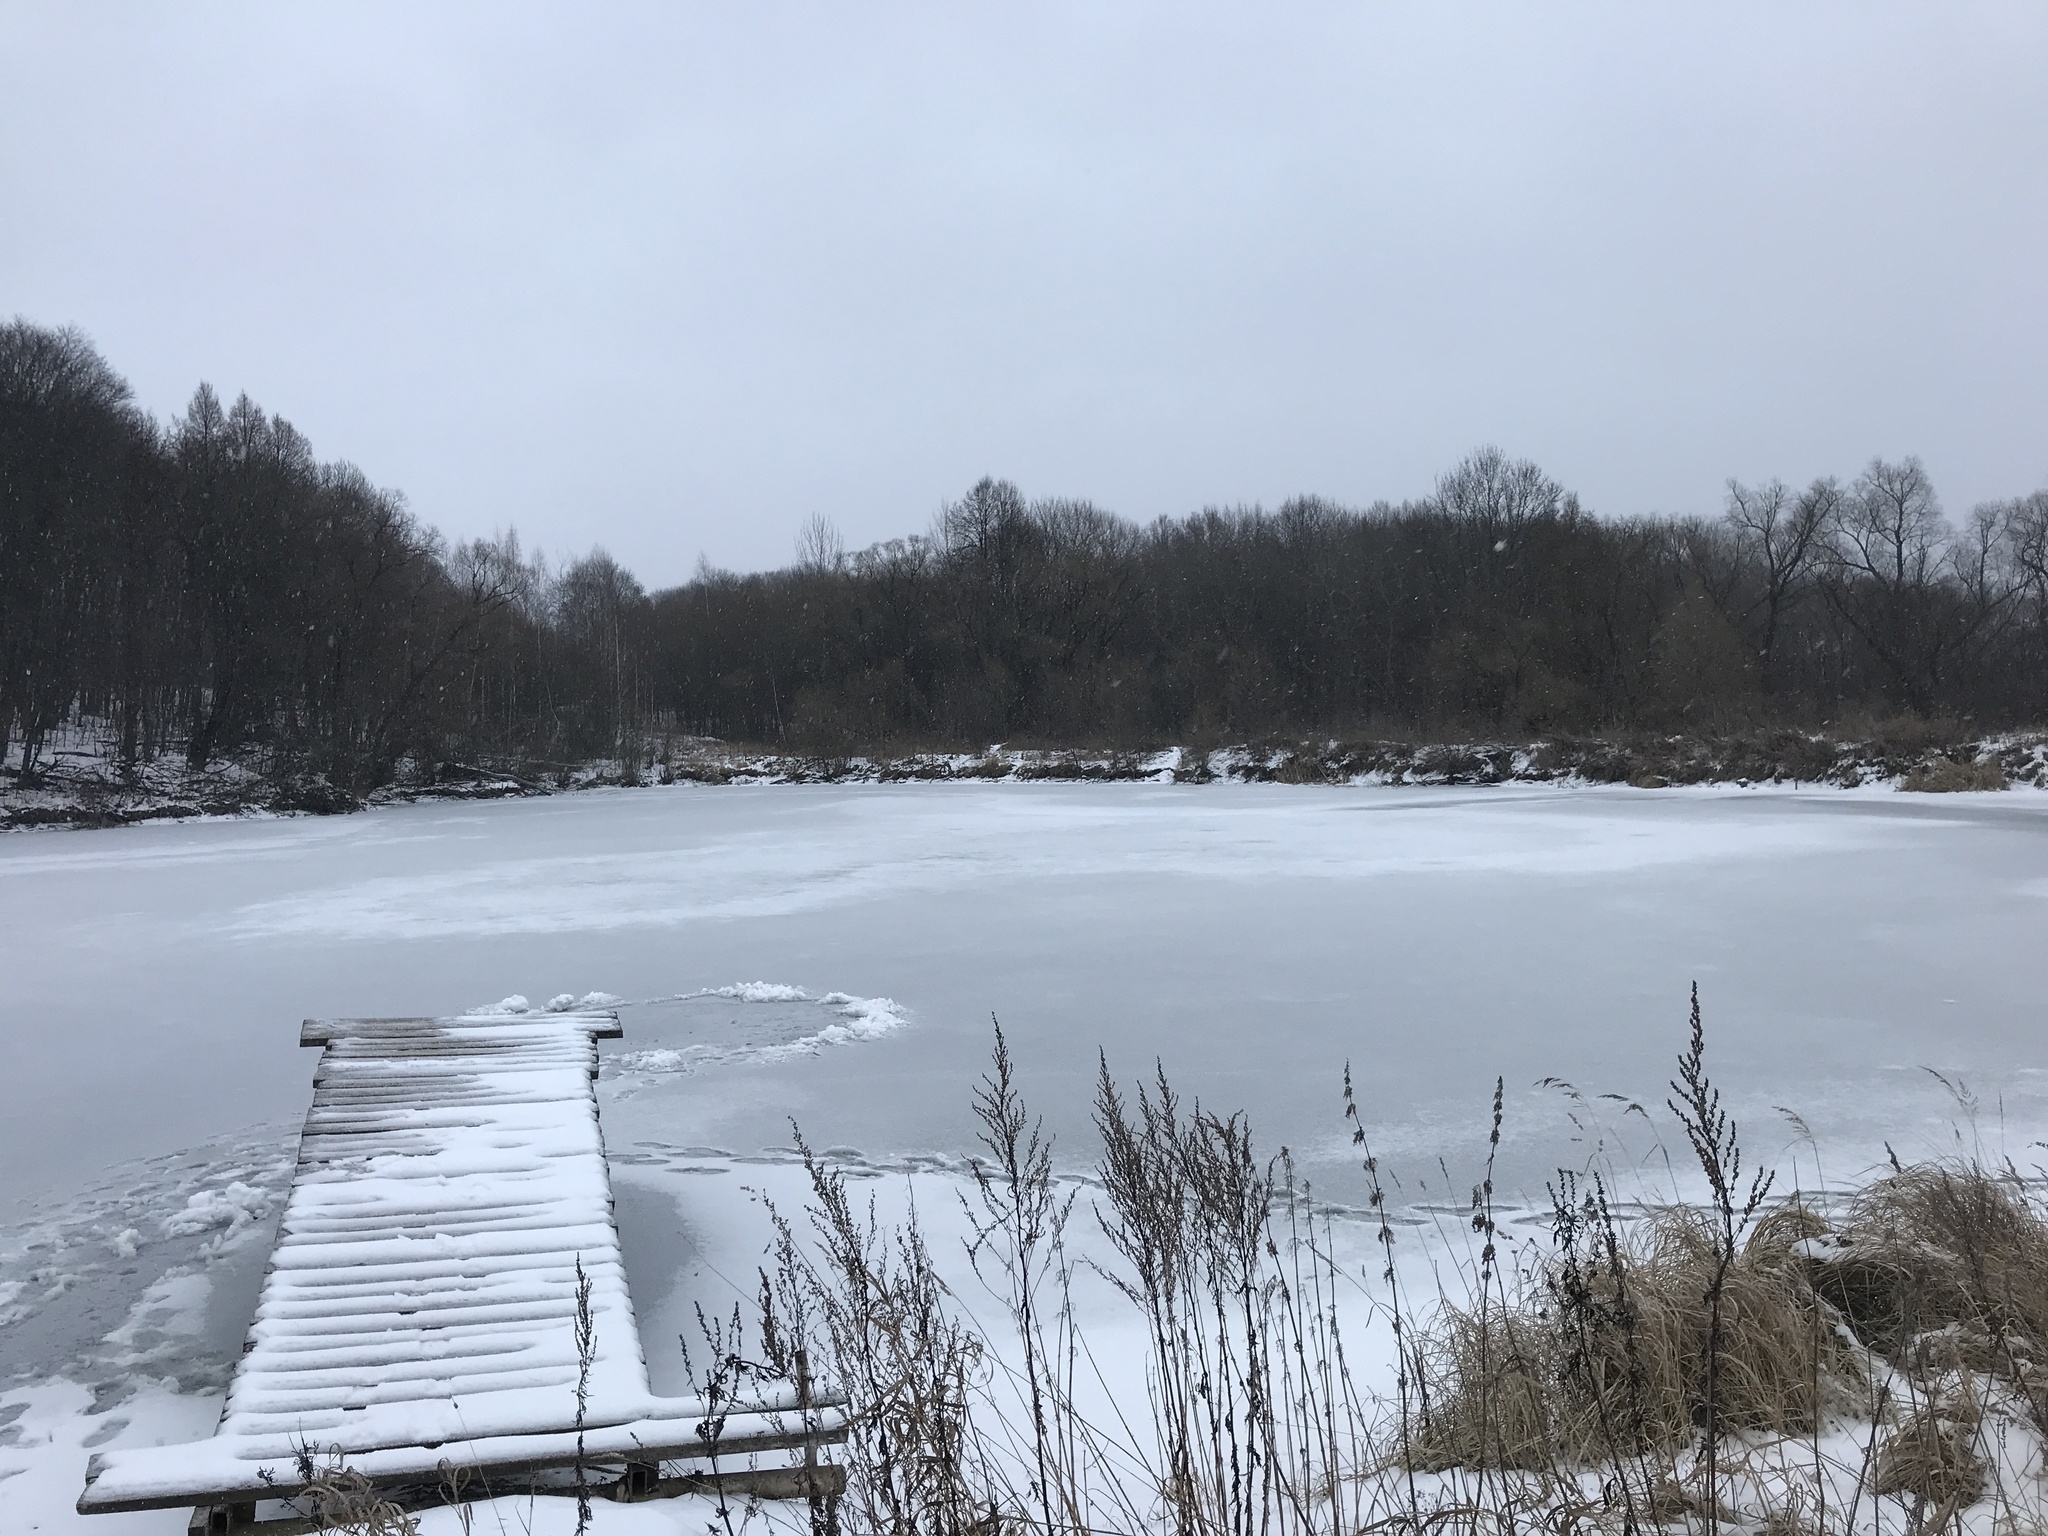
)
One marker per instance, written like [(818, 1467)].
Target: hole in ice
[(747, 1023)]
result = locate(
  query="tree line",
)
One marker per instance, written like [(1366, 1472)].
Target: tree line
[(208, 586)]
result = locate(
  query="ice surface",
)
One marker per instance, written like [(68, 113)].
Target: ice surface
[(1253, 937)]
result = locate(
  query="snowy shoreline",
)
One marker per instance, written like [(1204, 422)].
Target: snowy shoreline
[(83, 788)]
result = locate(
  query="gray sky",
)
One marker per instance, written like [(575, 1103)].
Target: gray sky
[(673, 278)]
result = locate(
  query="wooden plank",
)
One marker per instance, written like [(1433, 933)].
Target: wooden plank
[(321, 1031), (484, 1463), (749, 1482)]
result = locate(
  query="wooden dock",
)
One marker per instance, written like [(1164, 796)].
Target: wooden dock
[(420, 1316)]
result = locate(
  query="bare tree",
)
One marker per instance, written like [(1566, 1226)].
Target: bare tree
[(2027, 525), (66, 426), (1501, 494), (1924, 602), (600, 606), (1776, 540), (1891, 529), (819, 546)]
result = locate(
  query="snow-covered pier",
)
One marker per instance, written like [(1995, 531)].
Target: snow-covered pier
[(446, 1277)]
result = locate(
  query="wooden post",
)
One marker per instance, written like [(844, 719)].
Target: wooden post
[(824, 1505), (803, 1408), (640, 1481)]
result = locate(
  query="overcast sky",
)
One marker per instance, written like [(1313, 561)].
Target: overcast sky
[(673, 278)]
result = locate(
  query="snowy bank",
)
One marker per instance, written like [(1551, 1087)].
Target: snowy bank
[(82, 786)]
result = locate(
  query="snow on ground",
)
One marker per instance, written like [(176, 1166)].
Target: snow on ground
[(1252, 938), (557, 1517), (51, 1427)]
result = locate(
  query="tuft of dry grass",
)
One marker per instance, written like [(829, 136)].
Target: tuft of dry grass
[(344, 1501), (1947, 776), (1933, 1458), (1942, 1265), (1608, 1359)]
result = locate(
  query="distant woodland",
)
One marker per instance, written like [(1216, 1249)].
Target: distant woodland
[(207, 585)]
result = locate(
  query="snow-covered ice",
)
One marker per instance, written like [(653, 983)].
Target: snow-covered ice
[(833, 954)]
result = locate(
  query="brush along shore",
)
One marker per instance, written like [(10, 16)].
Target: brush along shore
[(81, 786)]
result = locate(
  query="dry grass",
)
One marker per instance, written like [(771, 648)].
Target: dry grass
[(1607, 1357), (1947, 776), (1944, 1266), (1933, 1458), (1920, 1314), (341, 1500), (346, 1503)]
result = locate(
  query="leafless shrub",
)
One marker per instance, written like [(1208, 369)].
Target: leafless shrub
[(1254, 1416), (871, 1305), (586, 1356)]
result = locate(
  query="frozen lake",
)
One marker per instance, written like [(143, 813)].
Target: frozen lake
[(1252, 938)]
